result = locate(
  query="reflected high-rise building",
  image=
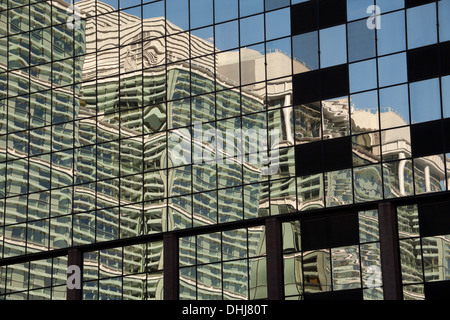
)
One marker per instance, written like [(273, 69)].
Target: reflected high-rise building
[(213, 142)]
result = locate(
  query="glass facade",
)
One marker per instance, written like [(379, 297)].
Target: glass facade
[(126, 122)]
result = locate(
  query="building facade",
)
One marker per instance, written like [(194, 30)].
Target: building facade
[(224, 149)]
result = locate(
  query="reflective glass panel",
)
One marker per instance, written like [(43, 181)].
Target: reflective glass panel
[(279, 63), (278, 23), (367, 183), (421, 25), (396, 143), (333, 49), (372, 275), (368, 226), (363, 75), (429, 174), (398, 178), (319, 278), (338, 190), (357, 9), (201, 13), (252, 30), (445, 89), (392, 70), (425, 100), (361, 41), (335, 118), (275, 4), (225, 10), (346, 268), (364, 111), (177, 12), (366, 149), (411, 261), (436, 258), (305, 48), (444, 20), (226, 35), (389, 5), (248, 7)]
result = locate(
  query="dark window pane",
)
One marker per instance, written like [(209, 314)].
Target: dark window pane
[(344, 230), (304, 17), (314, 233)]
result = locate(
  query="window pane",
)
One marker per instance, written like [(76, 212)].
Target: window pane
[(392, 70), (363, 75), (444, 20), (389, 5), (178, 13), (357, 9), (275, 4), (201, 12), (225, 10), (332, 46), (364, 111), (394, 106), (306, 52), (252, 30), (248, 7), (278, 23), (346, 268)]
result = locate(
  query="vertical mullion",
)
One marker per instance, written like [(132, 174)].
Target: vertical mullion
[(390, 252)]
